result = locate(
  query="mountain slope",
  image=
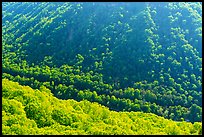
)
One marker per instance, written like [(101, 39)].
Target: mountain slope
[(132, 57)]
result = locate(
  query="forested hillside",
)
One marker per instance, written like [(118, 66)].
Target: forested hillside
[(141, 57), (27, 111)]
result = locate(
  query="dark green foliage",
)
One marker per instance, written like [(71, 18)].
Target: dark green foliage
[(132, 57)]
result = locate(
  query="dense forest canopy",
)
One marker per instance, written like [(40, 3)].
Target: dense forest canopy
[(28, 111), (141, 56)]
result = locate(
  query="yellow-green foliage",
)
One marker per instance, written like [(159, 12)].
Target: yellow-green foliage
[(29, 111)]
